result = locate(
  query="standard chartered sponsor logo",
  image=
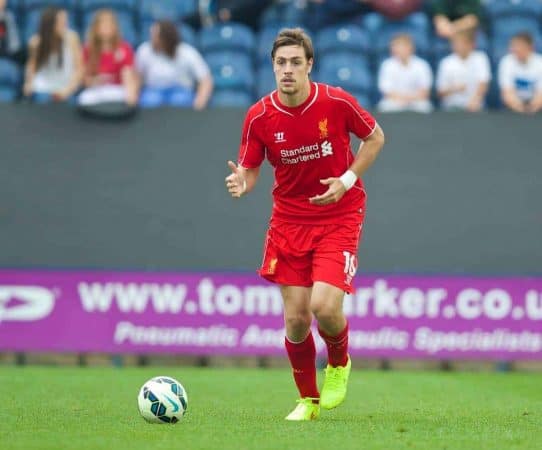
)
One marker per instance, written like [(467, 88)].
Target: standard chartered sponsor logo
[(305, 153), (25, 303), (380, 300)]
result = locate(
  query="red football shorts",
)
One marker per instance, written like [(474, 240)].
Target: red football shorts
[(299, 255)]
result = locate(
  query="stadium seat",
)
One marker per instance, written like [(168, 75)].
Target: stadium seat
[(353, 77), (229, 98), (186, 32), (38, 4), (497, 9), (116, 5), (10, 80), (126, 24), (375, 22), (174, 10), (344, 59), (265, 81), (341, 37), (231, 70), (229, 36)]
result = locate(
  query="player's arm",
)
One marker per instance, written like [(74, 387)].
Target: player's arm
[(365, 157), (241, 180), (243, 176)]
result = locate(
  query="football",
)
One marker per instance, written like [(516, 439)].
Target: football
[(162, 400)]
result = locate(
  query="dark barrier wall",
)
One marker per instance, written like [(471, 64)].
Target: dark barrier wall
[(450, 193)]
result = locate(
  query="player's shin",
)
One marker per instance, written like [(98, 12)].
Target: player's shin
[(302, 356), (337, 347)]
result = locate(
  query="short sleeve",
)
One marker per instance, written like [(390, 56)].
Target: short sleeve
[(197, 64), (252, 148), (128, 56), (141, 58), (385, 79), (358, 120)]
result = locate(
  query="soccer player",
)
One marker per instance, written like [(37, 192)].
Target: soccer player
[(303, 128)]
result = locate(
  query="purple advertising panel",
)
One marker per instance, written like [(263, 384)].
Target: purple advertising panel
[(241, 314)]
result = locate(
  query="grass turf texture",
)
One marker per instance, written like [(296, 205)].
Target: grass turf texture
[(96, 408)]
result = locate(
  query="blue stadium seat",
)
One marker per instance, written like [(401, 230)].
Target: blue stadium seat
[(230, 98), (35, 4), (174, 10), (265, 81), (497, 9), (229, 36), (231, 70), (341, 37), (116, 5), (344, 59), (10, 80), (375, 22), (363, 99), (187, 33), (126, 24), (351, 77)]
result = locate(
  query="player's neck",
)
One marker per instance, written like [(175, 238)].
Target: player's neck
[(293, 100)]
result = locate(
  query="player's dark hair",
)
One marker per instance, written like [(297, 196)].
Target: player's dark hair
[(169, 37), (525, 37), (293, 36)]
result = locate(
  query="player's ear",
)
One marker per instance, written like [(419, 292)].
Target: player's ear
[(309, 63)]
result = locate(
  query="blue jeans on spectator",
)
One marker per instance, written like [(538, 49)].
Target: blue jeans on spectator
[(175, 96)]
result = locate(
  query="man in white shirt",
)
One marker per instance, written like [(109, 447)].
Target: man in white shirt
[(463, 77), (404, 79), (520, 76)]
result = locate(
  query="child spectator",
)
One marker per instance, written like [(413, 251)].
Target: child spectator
[(172, 72), (463, 77), (520, 76), (404, 79), (54, 68), (109, 73), (10, 44)]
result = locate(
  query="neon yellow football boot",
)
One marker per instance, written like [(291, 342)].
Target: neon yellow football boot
[(306, 409), (335, 383)]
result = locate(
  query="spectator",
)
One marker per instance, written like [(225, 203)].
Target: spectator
[(10, 44), (520, 76), (244, 11), (170, 70), (404, 79), (454, 16), (54, 67), (109, 64), (463, 77)]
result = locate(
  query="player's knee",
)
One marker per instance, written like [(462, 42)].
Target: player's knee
[(297, 324), (326, 313)]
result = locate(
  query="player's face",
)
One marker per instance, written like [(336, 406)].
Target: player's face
[(291, 69), (520, 49)]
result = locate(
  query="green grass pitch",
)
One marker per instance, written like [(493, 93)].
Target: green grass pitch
[(96, 408)]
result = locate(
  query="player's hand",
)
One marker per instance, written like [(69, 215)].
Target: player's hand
[(334, 193), (235, 182)]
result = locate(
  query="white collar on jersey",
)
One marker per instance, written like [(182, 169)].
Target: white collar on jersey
[(304, 109)]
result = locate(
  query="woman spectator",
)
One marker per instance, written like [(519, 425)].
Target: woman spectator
[(172, 72), (54, 68), (109, 75)]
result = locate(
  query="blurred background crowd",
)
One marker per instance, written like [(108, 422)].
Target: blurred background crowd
[(393, 55)]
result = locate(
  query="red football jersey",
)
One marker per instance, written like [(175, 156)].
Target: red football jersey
[(306, 144)]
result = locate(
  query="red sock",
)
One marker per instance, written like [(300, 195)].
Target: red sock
[(337, 347), (302, 357)]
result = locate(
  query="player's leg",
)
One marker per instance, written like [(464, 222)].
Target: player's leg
[(301, 350), (334, 266), (327, 306)]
